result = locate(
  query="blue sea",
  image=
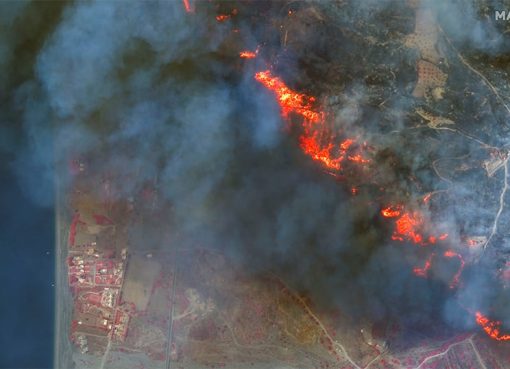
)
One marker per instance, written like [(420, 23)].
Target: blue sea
[(26, 274)]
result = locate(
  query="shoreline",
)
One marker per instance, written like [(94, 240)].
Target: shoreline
[(62, 353)]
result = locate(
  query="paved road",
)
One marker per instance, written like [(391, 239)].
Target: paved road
[(168, 364)]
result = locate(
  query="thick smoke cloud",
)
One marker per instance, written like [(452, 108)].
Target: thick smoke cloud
[(150, 89)]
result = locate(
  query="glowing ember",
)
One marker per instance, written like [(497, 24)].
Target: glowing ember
[(358, 159), (476, 241), (455, 280), (247, 54), (472, 243), (391, 212), (354, 190), (492, 328), (222, 17), (427, 197), (434, 239), (423, 272), (187, 6), (346, 144)]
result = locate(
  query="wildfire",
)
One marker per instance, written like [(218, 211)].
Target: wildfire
[(317, 140), (456, 278), (320, 143), (187, 6), (289, 100), (492, 328), (475, 241), (222, 17), (423, 272), (358, 159), (312, 145), (408, 226), (247, 54), (472, 243), (391, 212)]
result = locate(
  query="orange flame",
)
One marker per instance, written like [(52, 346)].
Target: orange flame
[(455, 280), (475, 241), (247, 54), (187, 6), (358, 159), (423, 272), (391, 212), (319, 142), (408, 225), (312, 145), (222, 17), (317, 139), (491, 327), (289, 100)]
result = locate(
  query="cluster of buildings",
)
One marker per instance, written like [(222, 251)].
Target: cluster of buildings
[(96, 278)]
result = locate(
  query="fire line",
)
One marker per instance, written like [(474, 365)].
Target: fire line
[(491, 327), (317, 140)]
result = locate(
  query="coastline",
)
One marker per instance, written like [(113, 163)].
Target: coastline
[(62, 356)]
